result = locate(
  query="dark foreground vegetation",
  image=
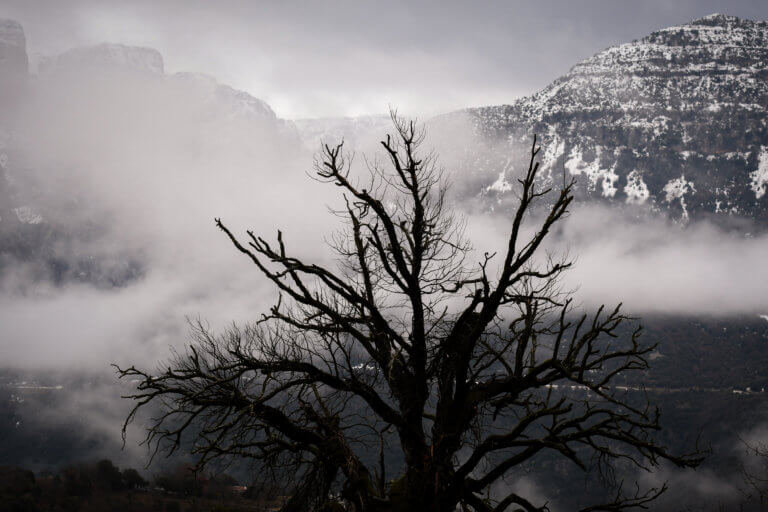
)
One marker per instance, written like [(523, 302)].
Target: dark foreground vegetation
[(101, 486)]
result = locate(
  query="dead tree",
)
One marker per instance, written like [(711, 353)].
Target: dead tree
[(465, 372)]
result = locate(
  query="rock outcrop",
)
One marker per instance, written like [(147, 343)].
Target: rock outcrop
[(677, 121)]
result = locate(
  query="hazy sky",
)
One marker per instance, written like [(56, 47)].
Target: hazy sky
[(317, 59)]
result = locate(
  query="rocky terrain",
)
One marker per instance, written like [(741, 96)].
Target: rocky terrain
[(677, 121)]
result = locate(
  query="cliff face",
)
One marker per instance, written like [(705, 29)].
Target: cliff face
[(677, 121)]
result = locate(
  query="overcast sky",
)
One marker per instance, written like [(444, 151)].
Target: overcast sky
[(318, 59)]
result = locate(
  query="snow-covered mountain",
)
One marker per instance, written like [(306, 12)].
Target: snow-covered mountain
[(677, 121)]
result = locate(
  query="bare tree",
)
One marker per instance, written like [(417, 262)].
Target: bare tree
[(406, 350), (754, 472)]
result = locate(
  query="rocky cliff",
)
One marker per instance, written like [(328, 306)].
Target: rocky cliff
[(677, 121)]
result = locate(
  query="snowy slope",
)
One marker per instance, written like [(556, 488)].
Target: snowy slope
[(677, 121)]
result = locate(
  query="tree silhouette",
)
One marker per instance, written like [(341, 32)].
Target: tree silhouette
[(408, 356)]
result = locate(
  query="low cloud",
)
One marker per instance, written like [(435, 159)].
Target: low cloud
[(151, 161), (647, 262), (656, 266), (126, 166), (148, 162)]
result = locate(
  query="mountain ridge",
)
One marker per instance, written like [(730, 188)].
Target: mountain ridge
[(675, 120)]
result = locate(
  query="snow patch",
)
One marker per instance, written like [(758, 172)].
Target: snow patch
[(553, 151), (27, 215), (677, 189), (577, 166), (636, 189), (609, 182), (759, 177), (501, 184), (660, 125)]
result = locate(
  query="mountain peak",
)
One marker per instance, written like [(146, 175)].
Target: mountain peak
[(713, 30), (715, 18), (722, 20)]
